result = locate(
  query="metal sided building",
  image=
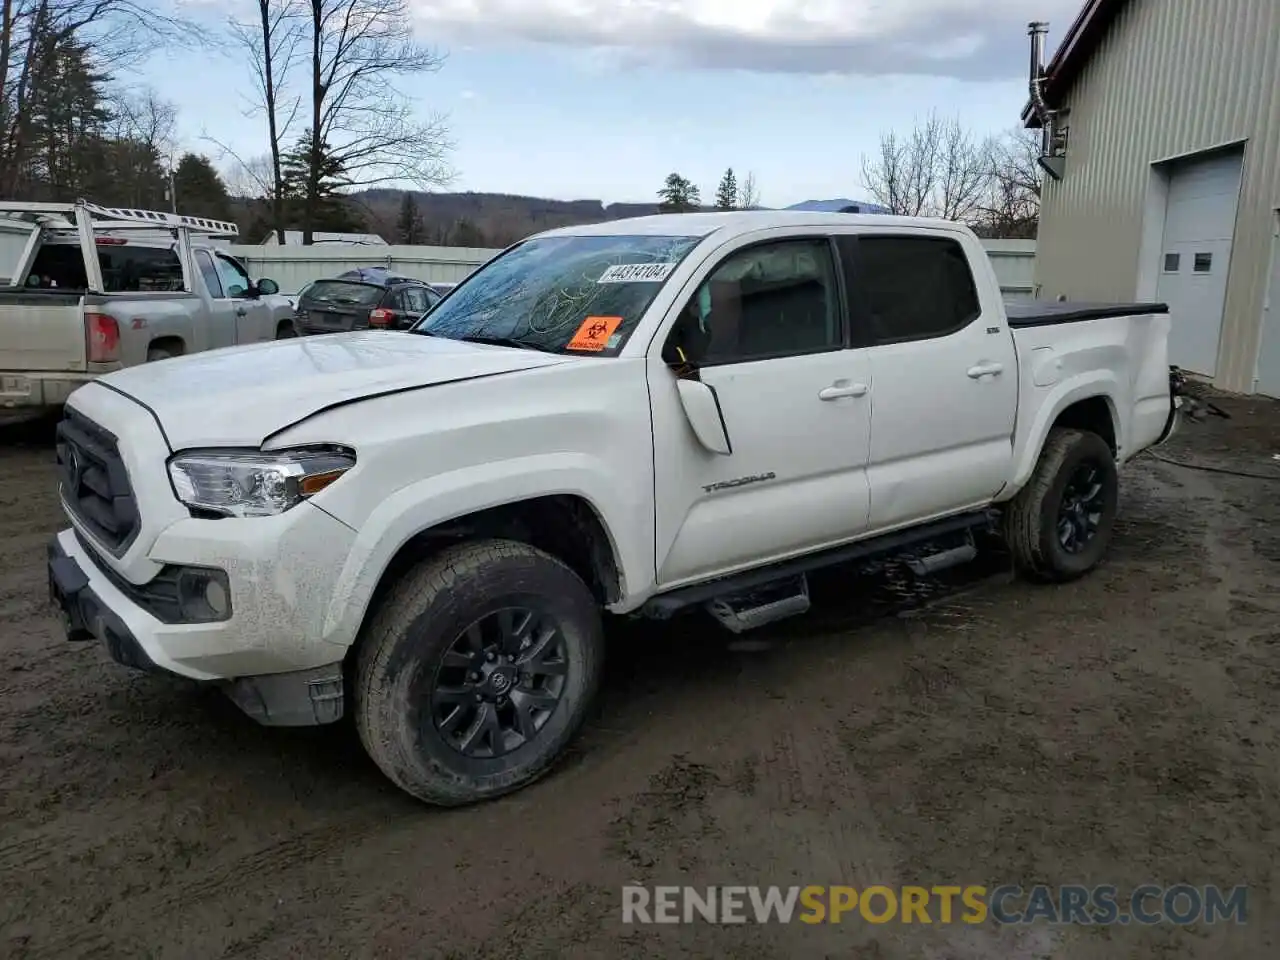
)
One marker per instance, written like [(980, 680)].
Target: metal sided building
[(1161, 143)]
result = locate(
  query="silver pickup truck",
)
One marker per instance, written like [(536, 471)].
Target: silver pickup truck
[(149, 291)]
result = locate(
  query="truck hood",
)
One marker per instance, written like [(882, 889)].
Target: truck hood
[(241, 395)]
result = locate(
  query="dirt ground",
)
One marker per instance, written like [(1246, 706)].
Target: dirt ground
[(1122, 730)]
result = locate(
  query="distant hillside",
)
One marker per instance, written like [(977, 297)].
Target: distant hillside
[(466, 219), (496, 218)]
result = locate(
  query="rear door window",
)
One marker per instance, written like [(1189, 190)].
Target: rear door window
[(416, 300), (130, 269), (125, 268), (908, 288)]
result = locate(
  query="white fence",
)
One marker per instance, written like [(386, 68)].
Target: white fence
[(292, 268), (1014, 262)]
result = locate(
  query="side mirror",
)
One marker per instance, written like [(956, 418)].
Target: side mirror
[(702, 410), (268, 288)]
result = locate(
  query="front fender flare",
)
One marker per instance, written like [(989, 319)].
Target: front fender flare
[(439, 499)]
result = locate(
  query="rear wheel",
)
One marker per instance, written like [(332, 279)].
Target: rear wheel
[(285, 330), (1059, 525), (160, 353), (477, 670)]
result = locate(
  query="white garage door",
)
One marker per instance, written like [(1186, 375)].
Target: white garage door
[(1269, 358), (1200, 219)]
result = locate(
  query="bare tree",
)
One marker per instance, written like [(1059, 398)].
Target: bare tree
[(938, 170), (1012, 205), (274, 44), (138, 148), (748, 193), (145, 118), (251, 177), (360, 123), (115, 32)]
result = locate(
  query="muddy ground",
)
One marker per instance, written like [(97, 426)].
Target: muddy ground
[(1124, 729)]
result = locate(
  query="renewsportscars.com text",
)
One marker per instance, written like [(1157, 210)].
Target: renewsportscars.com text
[(1180, 904)]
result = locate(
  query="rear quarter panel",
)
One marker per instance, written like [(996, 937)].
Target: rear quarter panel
[(1121, 359), (146, 318)]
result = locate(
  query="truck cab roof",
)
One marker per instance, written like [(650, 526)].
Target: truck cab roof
[(745, 221)]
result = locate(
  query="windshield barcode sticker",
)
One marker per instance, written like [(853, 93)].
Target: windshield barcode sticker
[(636, 273)]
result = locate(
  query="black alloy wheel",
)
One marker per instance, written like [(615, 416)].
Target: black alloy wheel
[(1081, 511), (499, 682)]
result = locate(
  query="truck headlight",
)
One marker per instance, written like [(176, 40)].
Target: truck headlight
[(252, 484)]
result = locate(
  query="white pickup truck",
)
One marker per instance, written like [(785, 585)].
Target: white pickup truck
[(423, 529)]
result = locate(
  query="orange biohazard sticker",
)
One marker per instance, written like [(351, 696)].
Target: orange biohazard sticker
[(594, 333)]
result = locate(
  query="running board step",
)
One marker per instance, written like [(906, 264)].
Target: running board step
[(943, 560), (755, 608)]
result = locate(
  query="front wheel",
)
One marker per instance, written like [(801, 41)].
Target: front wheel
[(477, 670), (1059, 525)]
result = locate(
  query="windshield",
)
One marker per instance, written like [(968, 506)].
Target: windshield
[(342, 291), (574, 294)]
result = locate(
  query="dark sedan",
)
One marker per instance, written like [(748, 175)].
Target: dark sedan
[(362, 299)]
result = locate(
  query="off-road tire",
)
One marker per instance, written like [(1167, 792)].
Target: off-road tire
[(407, 638), (159, 353), (1031, 518)]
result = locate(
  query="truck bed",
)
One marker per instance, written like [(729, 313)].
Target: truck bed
[(1042, 313)]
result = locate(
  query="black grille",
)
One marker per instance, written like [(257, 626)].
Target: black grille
[(95, 484)]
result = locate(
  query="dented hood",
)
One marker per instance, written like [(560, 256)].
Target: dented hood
[(241, 395)]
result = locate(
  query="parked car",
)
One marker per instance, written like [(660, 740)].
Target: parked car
[(360, 299), (637, 417), (71, 314)]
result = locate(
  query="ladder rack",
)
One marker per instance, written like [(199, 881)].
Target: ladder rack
[(87, 219), (63, 216)]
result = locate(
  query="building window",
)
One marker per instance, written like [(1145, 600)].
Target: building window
[(1171, 262), (1203, 262)]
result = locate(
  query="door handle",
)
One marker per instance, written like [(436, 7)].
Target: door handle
[(842, 388), (986, 370)]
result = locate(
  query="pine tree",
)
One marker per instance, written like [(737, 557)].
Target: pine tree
[(409, 227), (200, 191), (678, 195), (331, 211), (727, 192)]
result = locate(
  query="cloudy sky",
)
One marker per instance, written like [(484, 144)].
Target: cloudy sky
[(603, 98)]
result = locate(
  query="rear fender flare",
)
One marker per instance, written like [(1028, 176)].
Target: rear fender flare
[(1061, 396)]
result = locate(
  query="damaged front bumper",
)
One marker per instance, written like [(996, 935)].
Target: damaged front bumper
[(92, 608)]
